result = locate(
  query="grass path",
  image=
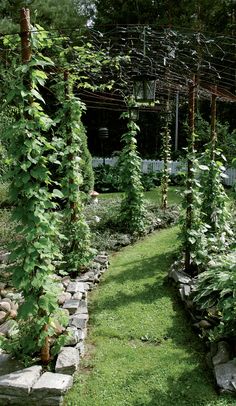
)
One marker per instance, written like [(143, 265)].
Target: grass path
[(143, 351)]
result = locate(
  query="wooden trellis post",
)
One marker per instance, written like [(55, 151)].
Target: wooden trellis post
[(26, 52), (71, 157), (190, 175), (213, 125)]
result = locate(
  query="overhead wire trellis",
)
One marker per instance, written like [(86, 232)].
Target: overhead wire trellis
[(172, 56)]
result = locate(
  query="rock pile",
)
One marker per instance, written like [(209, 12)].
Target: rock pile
[(222, 355), (30, 386)]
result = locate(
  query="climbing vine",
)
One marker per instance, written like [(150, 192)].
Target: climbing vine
[(132, 207), (32, 191), (166, 148), (77, 248)]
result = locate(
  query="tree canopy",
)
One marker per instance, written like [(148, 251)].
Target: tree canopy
[(212, 15), (49, 13)]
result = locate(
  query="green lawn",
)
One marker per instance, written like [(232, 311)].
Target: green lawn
[(142, 349), (174, 195)]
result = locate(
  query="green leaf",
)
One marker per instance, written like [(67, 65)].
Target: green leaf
[(28, 308), (57, 193), (36, 94)]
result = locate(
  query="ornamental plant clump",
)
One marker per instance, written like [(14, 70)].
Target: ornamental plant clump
[(216, 290), (132, 207)]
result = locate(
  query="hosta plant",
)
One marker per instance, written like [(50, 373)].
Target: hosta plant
[(216, 288)]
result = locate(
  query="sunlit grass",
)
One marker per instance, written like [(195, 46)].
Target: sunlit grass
[(144, 351), (174, 195)]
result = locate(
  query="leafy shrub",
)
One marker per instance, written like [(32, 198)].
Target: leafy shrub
[(109, 233), (106, 178), (107, 211), (159, 218), (7, 228), (177, 179), (4, 195), (7, 118), (151, 180)]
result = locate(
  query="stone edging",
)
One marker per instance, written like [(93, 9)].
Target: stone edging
[(31, 386), (221, 357)]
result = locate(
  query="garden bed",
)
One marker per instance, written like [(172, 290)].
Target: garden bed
[(221, 357)]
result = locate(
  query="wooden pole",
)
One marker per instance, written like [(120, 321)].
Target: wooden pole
[(71, 156), (165, 152), (213, 126), (26, 52), (177, 121), (190, 175)]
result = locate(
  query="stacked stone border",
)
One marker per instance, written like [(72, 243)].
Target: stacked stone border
[(32, 386), (221, 357)]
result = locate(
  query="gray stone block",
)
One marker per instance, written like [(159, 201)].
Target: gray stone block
[(5, 306), (223, 353), (51, 385), (77, 296), (184, 291), (79, 321), (63, 297), (8, 364), (82, 310), (6, 400), (74, 336), (71, 305), (226, 376), (66, 280), (101, 259), (81, 348), (20, 382), (87, 277), (48, 401), (67, 361), (179, 277), (8, 327), (3, 316), (75, 287)]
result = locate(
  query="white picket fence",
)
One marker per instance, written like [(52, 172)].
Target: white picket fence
[(149, 165)]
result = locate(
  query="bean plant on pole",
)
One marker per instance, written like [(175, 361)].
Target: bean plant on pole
[(191, 224), (166, 157), (36, 251), (214, 209), (77, 251), (76, 170), (132, 206)]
